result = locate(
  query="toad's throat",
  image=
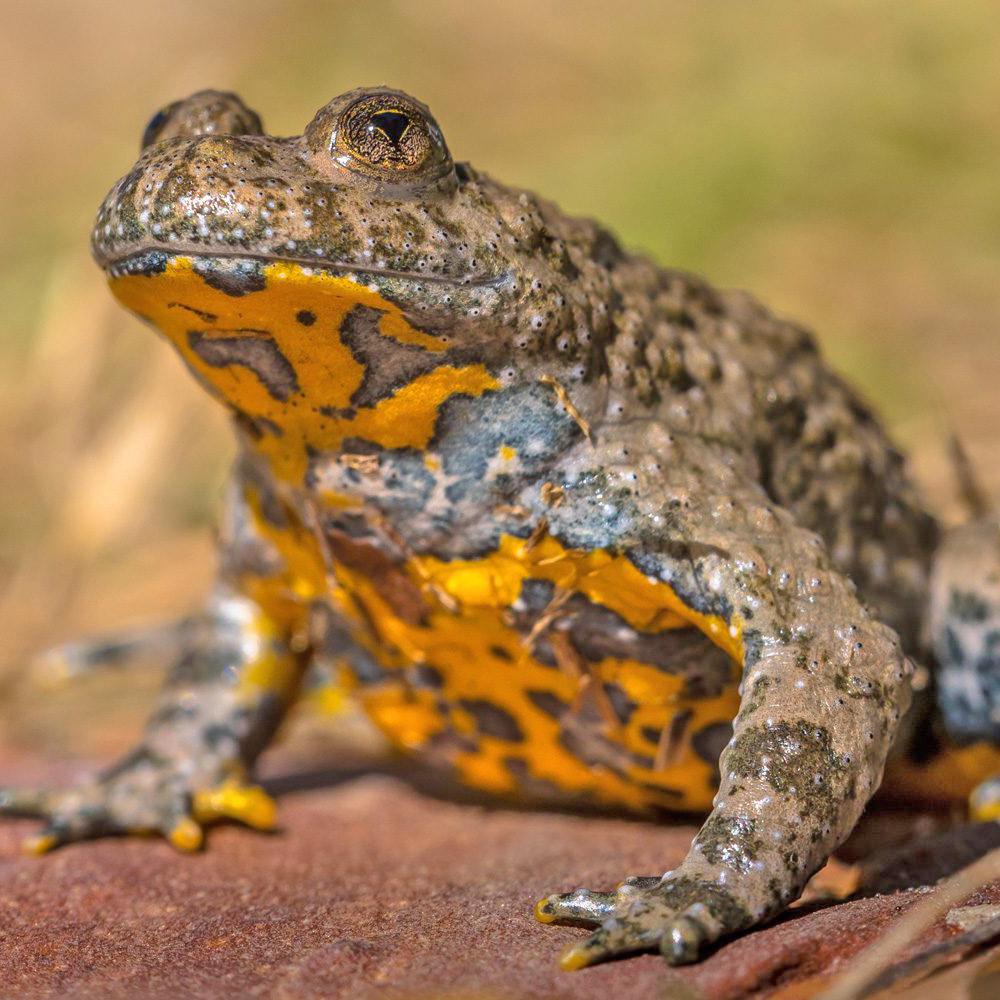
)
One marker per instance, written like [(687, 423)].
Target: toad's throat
[(269, 341)]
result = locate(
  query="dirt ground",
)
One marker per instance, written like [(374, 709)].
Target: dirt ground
[(375, 889)]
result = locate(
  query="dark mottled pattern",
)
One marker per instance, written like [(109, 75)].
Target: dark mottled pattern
[(797, 760), (598, 633), (964, 625), (253, 350), (731, 841), (968, 607), (585, 741), (674, 735), (968, 685), (538, 790), (548, 702), (491, 720), (622, 704), (386, 370), (234, 277), (423, 675), (709, 742)]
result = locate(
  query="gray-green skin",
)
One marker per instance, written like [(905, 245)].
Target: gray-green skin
[(724, 458)]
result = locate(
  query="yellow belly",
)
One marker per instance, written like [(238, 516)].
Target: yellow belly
[(687, 783), (483, 666)]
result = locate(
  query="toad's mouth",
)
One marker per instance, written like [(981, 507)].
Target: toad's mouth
[(152, 259)]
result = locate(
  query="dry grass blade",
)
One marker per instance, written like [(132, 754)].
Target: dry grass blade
[(563, 396), (971, 491)]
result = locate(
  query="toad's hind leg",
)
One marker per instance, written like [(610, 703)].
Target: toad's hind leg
[(964, 627)]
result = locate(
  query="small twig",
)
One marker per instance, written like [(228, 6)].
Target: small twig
[(550, 613), (537, 534), (571, 662), (552, 495), (925, 964), (314, 523), (511, 510), (563, 396), (970, 489), (669, 745), (382, 525)]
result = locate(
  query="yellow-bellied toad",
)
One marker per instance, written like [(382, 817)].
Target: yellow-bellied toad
[(569, 523)]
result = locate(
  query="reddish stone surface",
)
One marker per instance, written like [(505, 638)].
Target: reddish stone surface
[(375, 890)]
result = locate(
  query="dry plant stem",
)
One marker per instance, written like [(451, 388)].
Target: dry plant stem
[(971, 491), (563, 396), (881, 954)]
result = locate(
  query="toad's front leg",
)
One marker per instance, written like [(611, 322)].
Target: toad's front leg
[(223, 701), (823, 688)]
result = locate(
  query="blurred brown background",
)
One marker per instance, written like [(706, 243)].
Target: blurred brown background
[(839, 158)]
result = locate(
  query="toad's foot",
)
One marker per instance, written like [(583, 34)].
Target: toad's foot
[(144, 794), (676, 914)]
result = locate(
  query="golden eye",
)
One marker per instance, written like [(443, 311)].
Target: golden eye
[(389, 133), (381, 134)]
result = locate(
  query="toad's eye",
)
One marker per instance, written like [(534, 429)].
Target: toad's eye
[(390, 133)]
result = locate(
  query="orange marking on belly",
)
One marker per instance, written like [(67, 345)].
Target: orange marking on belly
[(482, 658), (608, 580), (317, 414)]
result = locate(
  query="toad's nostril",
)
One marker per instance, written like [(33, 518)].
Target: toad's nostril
[(392, 124)]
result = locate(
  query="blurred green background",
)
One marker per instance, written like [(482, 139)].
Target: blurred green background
[(838, 158)]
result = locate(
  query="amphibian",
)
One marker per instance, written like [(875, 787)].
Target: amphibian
[(569, 524)]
